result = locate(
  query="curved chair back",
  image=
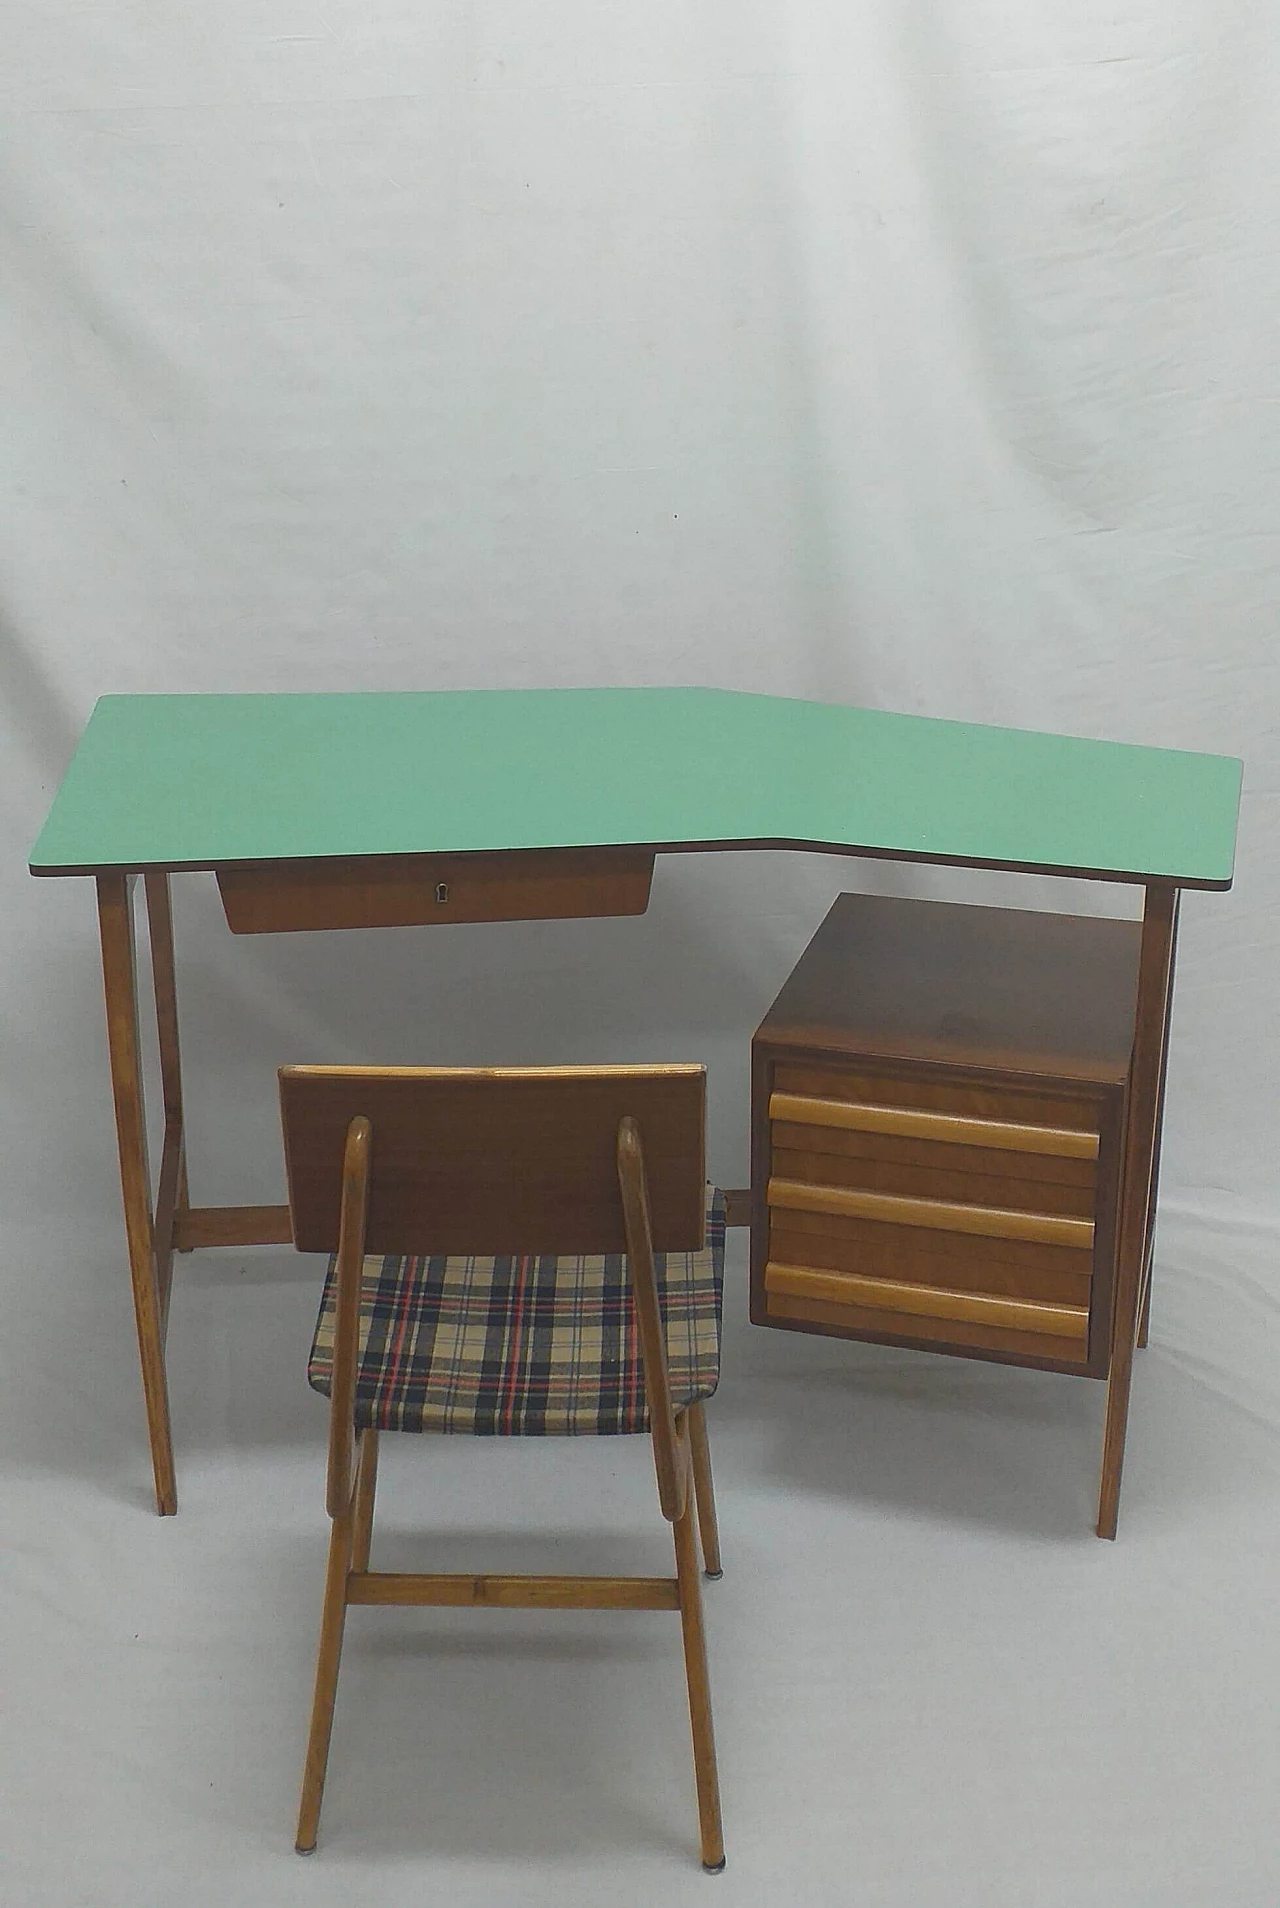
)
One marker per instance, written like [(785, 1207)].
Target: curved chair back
[(491, 1160)]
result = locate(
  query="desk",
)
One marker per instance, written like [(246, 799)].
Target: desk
[(488, 804)]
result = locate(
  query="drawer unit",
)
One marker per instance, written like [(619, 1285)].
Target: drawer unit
[(937, 1115)]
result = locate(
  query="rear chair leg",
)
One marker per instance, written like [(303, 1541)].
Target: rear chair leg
[(366, 1488), (708, 1529), (332, 1624), (710, 1828)]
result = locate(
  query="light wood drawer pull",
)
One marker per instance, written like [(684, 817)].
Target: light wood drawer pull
[(938, 1215), (924, 1301), (911, 1122)]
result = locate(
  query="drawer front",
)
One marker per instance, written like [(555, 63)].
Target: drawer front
[(965, 1217), (946, 1335), (928, 1293), (929, 1170), (1004, 1268), (931, 1304), (904, 1138), (1007, 1107), (432, 890), (938, 1212)]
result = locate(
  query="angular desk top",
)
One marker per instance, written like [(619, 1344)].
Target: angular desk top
[(211, 780)]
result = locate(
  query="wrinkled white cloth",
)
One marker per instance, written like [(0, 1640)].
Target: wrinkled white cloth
[(917, 356)]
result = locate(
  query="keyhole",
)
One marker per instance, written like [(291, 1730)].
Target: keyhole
[(442, 891)]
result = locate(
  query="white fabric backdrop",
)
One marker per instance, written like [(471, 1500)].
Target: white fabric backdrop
[(919, 354)]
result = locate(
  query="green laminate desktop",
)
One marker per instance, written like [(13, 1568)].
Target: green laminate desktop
[(207, 781)]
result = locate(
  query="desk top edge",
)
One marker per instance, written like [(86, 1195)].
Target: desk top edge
[(738, 845)]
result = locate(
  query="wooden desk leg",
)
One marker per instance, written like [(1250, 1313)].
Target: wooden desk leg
[(1155, 984), (120, 984), (1144, 1319), (1144, 1311), (171, 1195)]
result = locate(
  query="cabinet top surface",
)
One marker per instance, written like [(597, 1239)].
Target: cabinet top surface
[(933, 982), (202, 781)]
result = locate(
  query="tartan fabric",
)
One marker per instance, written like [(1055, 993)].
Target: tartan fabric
[(524, 1347)]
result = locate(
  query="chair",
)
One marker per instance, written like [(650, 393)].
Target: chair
[(517, 1251)]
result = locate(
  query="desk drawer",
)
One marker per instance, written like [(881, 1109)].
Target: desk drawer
[(881, 1310), (921, 1270), (432, 890), (1060, 1125), (888, 1163), (999, 1267), (907, 1163)]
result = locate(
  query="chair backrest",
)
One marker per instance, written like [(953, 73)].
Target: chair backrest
[(494, 1160)]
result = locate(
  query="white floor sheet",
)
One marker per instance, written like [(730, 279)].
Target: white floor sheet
[(933, 1686)]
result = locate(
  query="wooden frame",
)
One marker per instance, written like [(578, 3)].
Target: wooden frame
[(681, 1464), (156, 1228)]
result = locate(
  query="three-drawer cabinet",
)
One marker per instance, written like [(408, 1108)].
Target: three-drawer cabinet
[(938, 1103)]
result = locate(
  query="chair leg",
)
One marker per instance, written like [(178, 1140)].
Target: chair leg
[(366, 1489), (332, 1624), (710, 1829), (704, 1491)]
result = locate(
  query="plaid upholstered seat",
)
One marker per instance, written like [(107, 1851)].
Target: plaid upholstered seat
[(526, 1347)]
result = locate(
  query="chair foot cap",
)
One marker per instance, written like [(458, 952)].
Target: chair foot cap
[(714, 1868), (298, 1849), (713, 1576)]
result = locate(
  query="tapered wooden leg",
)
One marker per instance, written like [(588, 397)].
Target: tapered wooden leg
[(1144, 1316), (1144, 1320), (332, 1624), (366, 1490), (120, 986), (704, 1491), (164, 983), (184, 1199), (710, 1829), (1155, 982), (160, 932), (171, 1193)]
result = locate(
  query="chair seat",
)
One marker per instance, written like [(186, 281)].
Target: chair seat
[(524, 1347)]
